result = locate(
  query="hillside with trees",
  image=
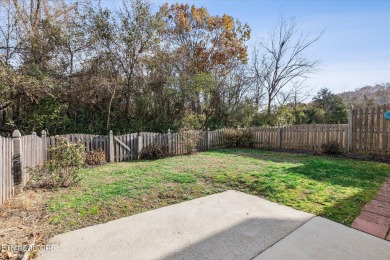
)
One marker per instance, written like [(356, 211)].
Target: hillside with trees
[(368, 96)]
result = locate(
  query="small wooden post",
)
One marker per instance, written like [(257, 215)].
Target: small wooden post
[(17, 163), (111, 146), (44, 144), (140, 142), (208, 138), (169, 141), (279, 137), (350, 126)]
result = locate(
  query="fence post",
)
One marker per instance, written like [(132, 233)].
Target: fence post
[(17, 163), (279, 137), (140, 141), (350, 126), (111, 146), (44, 145), (169, 141), (33, 151), (208, 138)]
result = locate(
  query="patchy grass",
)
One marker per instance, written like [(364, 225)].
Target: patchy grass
[(333, 188)]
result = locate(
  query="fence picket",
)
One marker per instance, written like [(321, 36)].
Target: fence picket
[(386, 126)]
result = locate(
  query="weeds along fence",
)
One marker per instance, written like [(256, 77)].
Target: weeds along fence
[(367, 132)]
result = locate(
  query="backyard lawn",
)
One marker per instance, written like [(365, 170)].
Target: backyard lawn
[(336, 189)]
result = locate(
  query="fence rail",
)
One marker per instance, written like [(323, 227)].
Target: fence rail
[(366, 132)]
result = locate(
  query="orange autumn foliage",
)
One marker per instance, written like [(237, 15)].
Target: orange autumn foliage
[(204, 41)]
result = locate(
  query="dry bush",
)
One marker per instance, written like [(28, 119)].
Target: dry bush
[(246, 138), (95, 157), (154, 151), (331, 147), (62, 169), (238, 137), (231, 136)]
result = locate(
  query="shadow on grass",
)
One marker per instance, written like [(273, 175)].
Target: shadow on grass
[(334, 171), (347, 185)]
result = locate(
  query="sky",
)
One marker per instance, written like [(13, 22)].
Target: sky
[(354, 50)]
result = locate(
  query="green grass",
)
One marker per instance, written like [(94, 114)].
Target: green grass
[(333, 188)]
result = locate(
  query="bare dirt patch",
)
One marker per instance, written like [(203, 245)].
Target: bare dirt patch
[(23, 220)]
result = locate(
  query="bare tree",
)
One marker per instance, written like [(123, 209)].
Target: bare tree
[(297, 94), (256, 71), (38, 23), (9, 40), (283, 59)]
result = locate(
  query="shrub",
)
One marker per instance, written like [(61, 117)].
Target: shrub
[(332, 147), (246, 138), (238, 137), (95, 157), (231, 137), (63, 167), (190, 139), (154, 151)]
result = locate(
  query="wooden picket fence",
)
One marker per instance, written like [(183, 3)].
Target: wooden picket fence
[(17, 156), (367, 132), (301, 137), (370, 131), (32, 152), (90, 142), (128, 147)]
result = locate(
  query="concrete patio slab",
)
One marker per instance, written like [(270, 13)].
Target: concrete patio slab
[(229, 225), (323, 239)]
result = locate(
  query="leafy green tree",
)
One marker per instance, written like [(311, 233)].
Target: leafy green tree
[(328, 108)]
